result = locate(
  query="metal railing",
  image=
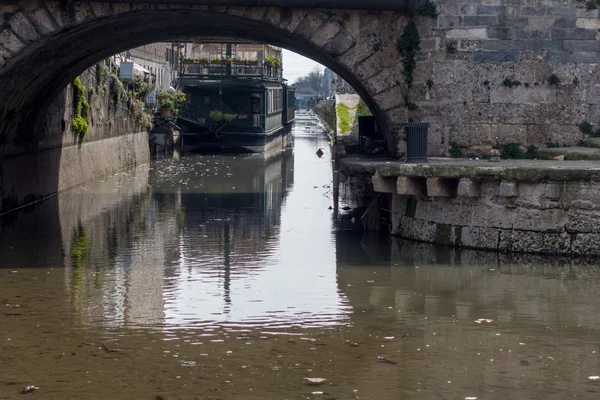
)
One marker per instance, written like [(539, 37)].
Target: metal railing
[(226, 69)]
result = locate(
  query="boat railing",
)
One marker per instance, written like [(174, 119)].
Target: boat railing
[(226, 69)]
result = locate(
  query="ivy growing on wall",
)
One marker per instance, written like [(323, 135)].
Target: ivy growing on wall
[(408, 47), (429, 9), (81, 109)]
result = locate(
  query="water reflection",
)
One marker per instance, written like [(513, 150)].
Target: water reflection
[(222, 277)]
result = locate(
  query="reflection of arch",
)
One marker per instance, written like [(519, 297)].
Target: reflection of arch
[(62, 44)]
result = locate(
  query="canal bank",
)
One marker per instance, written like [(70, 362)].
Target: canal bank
[(91, 129), (511, 206)]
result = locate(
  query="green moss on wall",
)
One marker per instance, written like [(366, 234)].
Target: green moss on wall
[(345, 118)]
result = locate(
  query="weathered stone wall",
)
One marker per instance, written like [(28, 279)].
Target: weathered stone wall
[(107, 117), (116, 139), (523, 40), (506, 216)]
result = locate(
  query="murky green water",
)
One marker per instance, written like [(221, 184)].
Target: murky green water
[(220, 277)]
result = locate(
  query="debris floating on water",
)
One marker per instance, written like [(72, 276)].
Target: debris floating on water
[(315, 381), (29, 389), (484, 320), (594, 378)]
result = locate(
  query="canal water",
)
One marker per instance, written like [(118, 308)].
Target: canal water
[(223, 277)]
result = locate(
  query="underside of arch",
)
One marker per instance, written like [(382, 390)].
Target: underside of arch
[(32, 79)]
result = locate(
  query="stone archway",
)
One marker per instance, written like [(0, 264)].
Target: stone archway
[(46, 44)]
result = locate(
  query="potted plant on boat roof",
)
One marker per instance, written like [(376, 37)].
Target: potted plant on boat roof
[(272, 62), (166, 108), (202, 60), (254, 61), (189, 61)]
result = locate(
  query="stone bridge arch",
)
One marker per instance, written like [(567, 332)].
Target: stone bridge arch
[(44, 45)]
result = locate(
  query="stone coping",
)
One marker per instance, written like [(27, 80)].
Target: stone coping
[(512, 170)]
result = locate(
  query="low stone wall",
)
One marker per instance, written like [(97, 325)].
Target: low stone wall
[(31, 177), (509, 207)]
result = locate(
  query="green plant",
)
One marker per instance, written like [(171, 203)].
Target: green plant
[(229, 117), (451, 47), (552, 145), (575, 81), (455, 150), (532, 152), (408, 46), (273, 62), (167, 104), (581, 143), (429, 83), (596, 133), (510, 83), (377, 46), (412, 106), (486, 82), (101, 72), (553, 80), (511, 150), (344, 116), (141, 88), (586, 128), (81, 109), (80, 127), (526, 85), (429, 9), (591, 5), (216, 115), (363, 110), (117, 90)]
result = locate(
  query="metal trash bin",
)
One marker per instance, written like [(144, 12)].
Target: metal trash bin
[(416, 141)]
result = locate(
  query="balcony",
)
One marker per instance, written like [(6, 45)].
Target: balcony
[(220, 70)]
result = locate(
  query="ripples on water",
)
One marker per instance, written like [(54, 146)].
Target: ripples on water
[(221, 277)]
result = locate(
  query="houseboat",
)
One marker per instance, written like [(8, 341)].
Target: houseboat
[(237, 100)]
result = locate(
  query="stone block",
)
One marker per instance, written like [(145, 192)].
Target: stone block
[(499, 32), (564, 23), (382, 184), (440, 187), (515, 22), (473, 33), (580, 221), (508, 189), (586, 244), (530, 34), (523, 95), (10, 41), (588, 23), (571, 57), (538, 11), (552, 191), (478, 20), (469, 188), (562, 11), (496, 56), (573, 34), (549, 220), (410, 186), (415, 229), (581, 45)]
